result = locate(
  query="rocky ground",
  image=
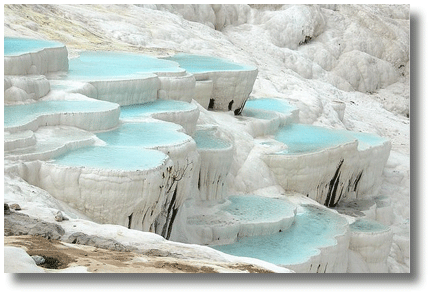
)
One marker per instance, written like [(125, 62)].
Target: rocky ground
[(43, 242)]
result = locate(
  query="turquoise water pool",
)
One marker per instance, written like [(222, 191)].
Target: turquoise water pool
[(314, 228), (252, 208), (259, 114), (269, 104), (205, 139), (158, 106), (18, 46), (302, 138), (127, 147), (366, 225), (198, 63), (113, 157), (21, 114), (367, 139), (104, 65), (147, 135)]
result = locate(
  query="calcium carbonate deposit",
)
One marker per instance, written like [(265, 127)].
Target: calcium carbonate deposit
[(220, 138)]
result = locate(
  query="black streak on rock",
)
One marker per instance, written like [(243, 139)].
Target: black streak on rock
[(198, 183), (230, 105), (239, 110), (338, 199), (172, 219), (171, 213), (357, 180), (333, 184), (211, 104), (129, 220), (334, 192)]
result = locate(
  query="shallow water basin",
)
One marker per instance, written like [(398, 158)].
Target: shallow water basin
[(366, 225), (199, 63), (301, 138), (312, 229), (206, 139), (113, 157), (158, 106), (19, 46), (253, 208), (16, 115), (147, 135), (112, 65), (269, 104)]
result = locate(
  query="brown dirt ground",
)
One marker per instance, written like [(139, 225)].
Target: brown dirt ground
[(59, 255)]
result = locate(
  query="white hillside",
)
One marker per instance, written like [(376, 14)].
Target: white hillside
[(341, 67)]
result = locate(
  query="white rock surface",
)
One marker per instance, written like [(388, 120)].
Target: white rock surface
[(107, 117), (373, 247), (181, 88), (306, 74), (22, 88), (45, 61), (106, 196), (16, 260), (128, 92), (230, 89)]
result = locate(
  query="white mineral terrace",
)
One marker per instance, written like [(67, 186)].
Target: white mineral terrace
[(127, 139), (238, 217), (28, 56), (216, 155)]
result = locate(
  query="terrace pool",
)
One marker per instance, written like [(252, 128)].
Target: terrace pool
[(312, 229), (127, 147), (252, 208), (146, 135), (302, 138), (259, 114), (367, 139), (158, 106), (366, 225), (111, 65), (269, 104), (113, 157), (206, 139), (19, 46), (17, 115), (199, 63)]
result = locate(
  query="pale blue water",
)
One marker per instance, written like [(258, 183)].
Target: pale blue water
[(127, 147), (18, 46), (269, 104), (205, 139), (259, 114), (148, 135), (367, 139), (302, 138), (199, 63), (102, 65), (257, 208), (158, 106), (366, 225), (113, 157), (20, 114), (312, 229)]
